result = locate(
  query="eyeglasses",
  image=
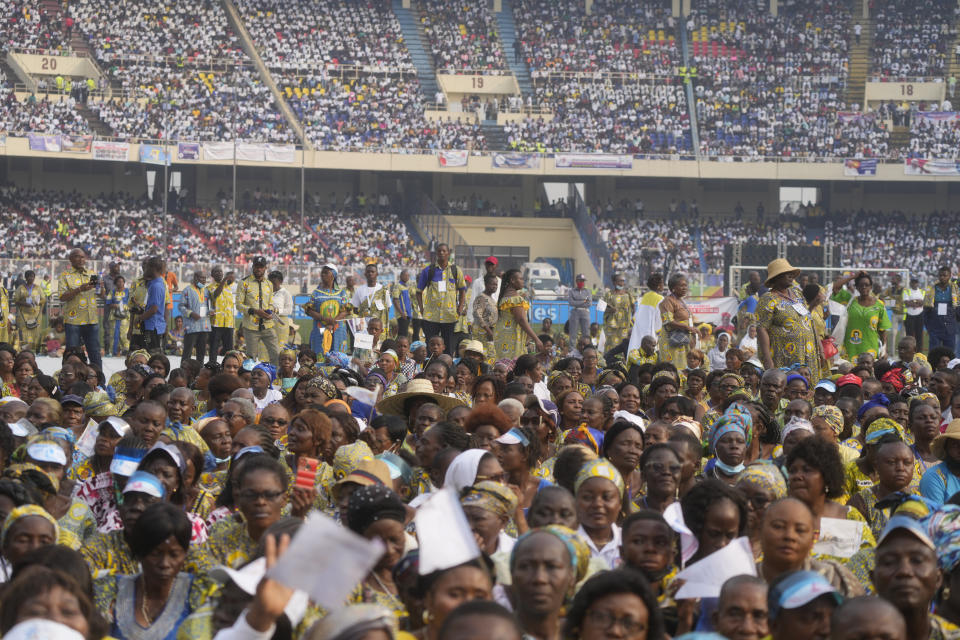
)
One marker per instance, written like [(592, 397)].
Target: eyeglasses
[(606, 620), (279, 421), (229, 416), (659, 467), (500, 478), (253, 496)]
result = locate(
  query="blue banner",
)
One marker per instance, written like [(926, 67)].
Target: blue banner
[(154, 154), (861, 167), (42, 142), (188, 151)]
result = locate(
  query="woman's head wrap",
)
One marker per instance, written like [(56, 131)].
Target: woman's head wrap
[(268, 369), (462, 471), (831, 415), (372, 503), (490, 496), (876, 400), (730, 422), (765, 476), (881, 427), (348, 457), (599, 468), (577, 549), (324, 385), (795, 424), (26, 511)]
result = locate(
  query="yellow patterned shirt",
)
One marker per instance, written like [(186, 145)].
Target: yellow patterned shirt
[(254, 294), (439, 288), (224, 315), (82, 308)]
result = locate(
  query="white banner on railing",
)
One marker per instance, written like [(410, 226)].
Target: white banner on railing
[(452, 158), (280, 153), (592, 161), (250, 152), (112, 151), (218, 151)]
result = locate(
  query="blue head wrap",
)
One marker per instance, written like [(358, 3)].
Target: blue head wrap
[(268, 369), (876, 400)]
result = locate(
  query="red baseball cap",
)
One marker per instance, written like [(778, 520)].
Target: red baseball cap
[(849, 379), (491, 260)]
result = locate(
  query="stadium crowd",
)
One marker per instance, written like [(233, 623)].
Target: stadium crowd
[(309, 35), (913, 40), (375, 112), (489, 480), (197, 32), (604, 115), (556, 36), (462, 36), (179, 103)]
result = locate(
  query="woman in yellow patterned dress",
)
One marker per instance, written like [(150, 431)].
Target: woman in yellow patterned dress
[(677, 335), (512, 328), (785, 333)]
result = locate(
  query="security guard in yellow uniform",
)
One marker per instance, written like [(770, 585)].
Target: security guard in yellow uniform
[(255, 304)]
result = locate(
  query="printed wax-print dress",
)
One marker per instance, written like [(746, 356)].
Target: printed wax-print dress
[(790, 326), (329, 302), (508, 336)]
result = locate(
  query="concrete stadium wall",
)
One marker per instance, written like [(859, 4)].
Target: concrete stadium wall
[(546, 237)]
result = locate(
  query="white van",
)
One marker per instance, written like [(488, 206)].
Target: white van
[(542, 280)]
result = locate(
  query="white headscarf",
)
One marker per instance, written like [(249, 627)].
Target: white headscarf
[(462, 472)]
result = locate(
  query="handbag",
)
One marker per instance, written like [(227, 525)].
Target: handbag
[(829, 347), (678, 338)]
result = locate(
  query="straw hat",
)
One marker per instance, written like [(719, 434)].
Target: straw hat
[(939, 444), (416, 388), (778, 267)]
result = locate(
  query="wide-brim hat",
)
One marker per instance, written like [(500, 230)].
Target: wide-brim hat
[(939, 444), (779, 267), (393, 405)]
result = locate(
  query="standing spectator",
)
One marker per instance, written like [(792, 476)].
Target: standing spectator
[(913, 304), (939, 304), (154, 322), (441, 297), (372, 300), (171, 280), (857, 31), (255, 303), (77, 293), (222, 312), (618, 316), (402, 304), (106, 292), (196, 317), (579, 300), (29, 301), (283, 306)]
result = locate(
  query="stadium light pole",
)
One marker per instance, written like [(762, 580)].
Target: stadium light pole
[(303, 153)]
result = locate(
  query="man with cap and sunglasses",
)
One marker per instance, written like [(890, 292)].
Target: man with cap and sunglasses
[(255, 304)]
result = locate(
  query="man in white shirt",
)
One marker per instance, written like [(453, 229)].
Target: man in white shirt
[(372, 300), (283, 306), (913, 305)]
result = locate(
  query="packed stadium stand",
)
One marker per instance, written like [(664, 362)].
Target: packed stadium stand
[(731, 78)]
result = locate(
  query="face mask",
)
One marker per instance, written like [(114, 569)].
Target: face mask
[(727, 469), (580, 284)]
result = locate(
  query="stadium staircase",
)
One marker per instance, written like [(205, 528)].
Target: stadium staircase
[(414, 38), (508, 36), (198, 232), (98, 126), (859, 57), (236, 21), (688, 87), (495, 135)]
